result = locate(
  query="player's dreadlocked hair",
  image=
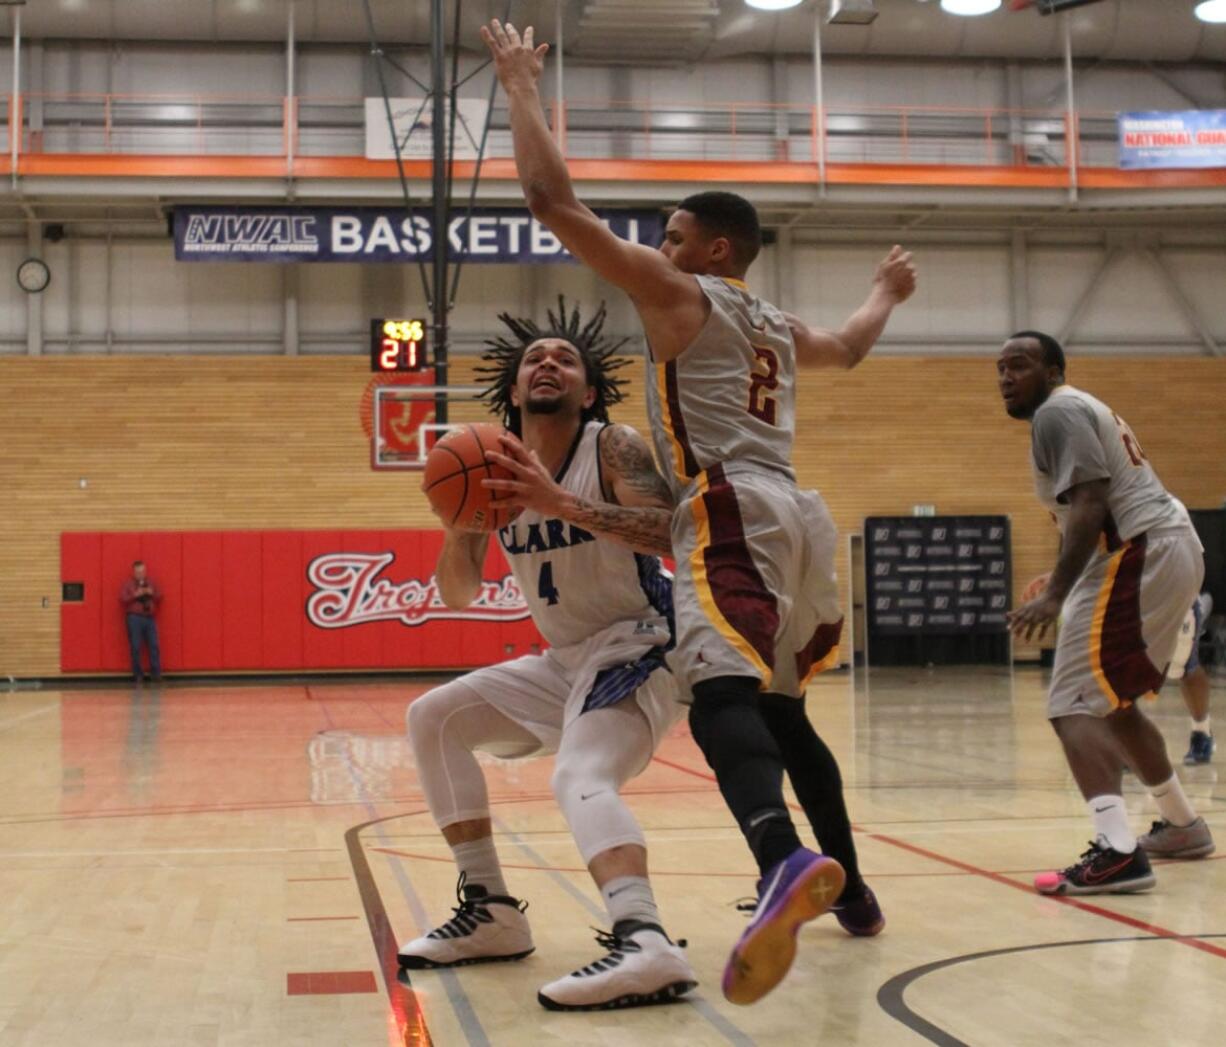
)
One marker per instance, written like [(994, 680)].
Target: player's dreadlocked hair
[(595, 349)]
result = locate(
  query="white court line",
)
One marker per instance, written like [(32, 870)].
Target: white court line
[(5, 725)]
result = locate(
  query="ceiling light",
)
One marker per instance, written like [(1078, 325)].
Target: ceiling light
[(852, 12), (969, 7), (1211, 11), (773, 5)]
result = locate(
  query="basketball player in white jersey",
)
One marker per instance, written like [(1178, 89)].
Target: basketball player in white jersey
[(583, 551), (1130, 565), (757, 604)]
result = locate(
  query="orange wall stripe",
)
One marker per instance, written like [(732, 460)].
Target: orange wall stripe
[(353, 167)]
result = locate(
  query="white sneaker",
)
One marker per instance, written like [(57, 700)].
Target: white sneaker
[(641, 969), (486, 928)]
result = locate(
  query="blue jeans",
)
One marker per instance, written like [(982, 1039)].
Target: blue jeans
[(142, 628)]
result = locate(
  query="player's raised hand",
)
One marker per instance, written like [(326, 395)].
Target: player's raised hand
[(517, 61), (896, 274)]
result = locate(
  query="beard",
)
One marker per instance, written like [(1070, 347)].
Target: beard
[(542, 406)]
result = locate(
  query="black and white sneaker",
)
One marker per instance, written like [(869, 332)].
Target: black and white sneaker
[(641, 967), (484, 928)]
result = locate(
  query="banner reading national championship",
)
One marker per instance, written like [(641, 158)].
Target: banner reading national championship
[(1187, 138), (371, 234)]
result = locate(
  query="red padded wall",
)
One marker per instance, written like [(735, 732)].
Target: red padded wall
[(236, 601)]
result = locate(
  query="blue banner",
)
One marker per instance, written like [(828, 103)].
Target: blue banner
[(1190, 138), (368, 234)]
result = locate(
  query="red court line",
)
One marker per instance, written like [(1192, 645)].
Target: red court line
[(447, 860), (974, 870), (149, 812), (1076, 903), (329, 983)]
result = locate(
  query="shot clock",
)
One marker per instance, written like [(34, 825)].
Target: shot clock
[(399, 345)]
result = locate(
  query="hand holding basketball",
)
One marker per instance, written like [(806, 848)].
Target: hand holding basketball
[(1033, 588), (452, 481), (528, 484), (1037, 610)]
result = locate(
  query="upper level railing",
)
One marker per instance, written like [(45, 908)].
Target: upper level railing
[(273, 126)]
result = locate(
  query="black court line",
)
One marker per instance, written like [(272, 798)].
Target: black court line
[(890, 995)]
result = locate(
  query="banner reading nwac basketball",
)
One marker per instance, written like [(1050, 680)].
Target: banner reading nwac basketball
[(372, 234), (276, 601)]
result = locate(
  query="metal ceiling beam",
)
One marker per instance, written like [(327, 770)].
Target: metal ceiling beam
[(1190, 312), (1114, 253)]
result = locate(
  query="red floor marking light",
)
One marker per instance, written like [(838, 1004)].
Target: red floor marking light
[(329, 983)]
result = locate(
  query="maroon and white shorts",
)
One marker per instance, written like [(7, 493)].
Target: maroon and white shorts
[(1121, 621), (755, 591)]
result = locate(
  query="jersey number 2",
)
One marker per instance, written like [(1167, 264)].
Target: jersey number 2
[(1135, 454), (763, 380), (544, 584)]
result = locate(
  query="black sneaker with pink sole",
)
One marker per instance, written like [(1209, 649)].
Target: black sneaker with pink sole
[(1102, 870)]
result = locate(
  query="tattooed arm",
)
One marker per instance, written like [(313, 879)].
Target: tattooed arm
[(639, 509), (639, 512)]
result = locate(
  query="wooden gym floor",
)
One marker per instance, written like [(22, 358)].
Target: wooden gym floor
[(233, 865)]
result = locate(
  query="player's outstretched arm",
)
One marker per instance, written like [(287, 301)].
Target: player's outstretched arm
[(639, 514), (893, 284), (459, 568), (642, 272)]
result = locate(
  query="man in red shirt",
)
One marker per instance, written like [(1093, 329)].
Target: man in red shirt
[(140, 599)]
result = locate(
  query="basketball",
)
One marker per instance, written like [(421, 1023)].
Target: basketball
[(454, 470), (1033, 588)]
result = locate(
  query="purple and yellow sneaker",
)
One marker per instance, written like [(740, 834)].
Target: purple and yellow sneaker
[(798, 889), (858, 912)]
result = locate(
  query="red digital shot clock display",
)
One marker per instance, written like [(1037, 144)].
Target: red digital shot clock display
[(399, 345)]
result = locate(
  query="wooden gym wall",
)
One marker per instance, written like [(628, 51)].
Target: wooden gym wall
[(185, 443)]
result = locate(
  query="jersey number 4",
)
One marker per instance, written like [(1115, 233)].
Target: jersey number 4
[(544, 584), (763, 380)]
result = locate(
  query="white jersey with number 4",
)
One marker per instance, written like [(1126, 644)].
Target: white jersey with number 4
[(577, 585)]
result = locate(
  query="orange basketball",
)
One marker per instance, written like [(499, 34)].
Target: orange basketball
[(454, 470), (1033, 588)]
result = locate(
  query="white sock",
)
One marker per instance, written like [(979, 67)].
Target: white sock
[(1172, 803), (1111, 823), (478, 860), (630, 898), (1202, 725)]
